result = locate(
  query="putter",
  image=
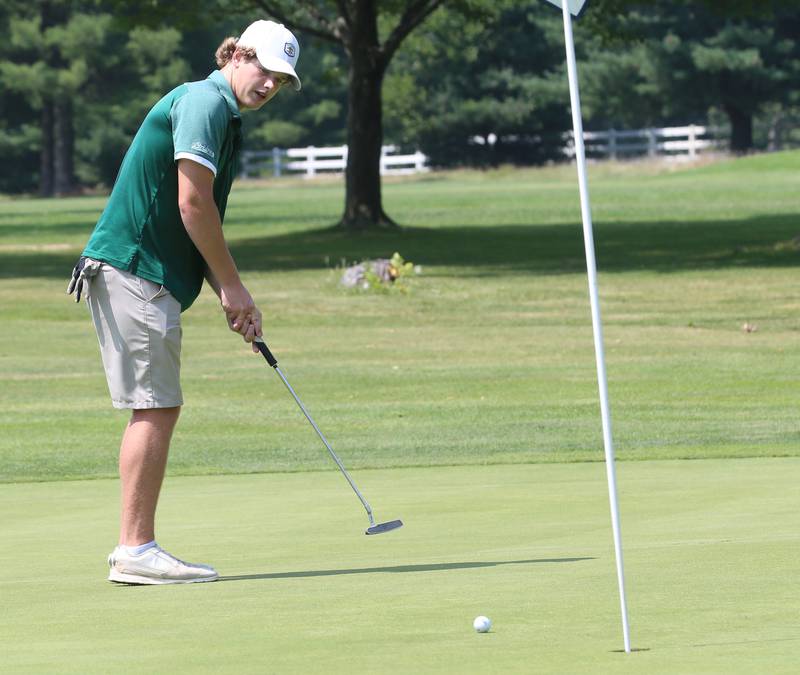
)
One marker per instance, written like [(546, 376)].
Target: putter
[(373, 528)]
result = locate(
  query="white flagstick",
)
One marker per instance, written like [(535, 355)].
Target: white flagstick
[(591, 268)]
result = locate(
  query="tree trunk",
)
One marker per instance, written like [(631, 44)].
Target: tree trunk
[(46, 183), (363, 208), (741, 130), (64, 148), (57, 161)]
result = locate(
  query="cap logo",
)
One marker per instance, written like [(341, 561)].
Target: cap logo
[(289, 49)]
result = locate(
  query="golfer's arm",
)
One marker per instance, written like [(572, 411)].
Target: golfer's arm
[(202, 222), (212, 281)]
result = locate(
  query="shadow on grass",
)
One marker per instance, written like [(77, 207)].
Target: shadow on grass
[(634, 650), (664, 246), (402, 569), (745, 642), (660, 246)]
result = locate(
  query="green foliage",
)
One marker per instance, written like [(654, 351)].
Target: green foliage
[(277, 133), (458, 77), (640, 64), (123, 89), (395, 279), (112, 77), (18, 146), (663, 62), (473, 69), (20, 136), (155, 58), (316, 115)]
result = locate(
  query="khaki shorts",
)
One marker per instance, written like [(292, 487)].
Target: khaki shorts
[(138, 325)]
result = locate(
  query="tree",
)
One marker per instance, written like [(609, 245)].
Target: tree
[(482, 91), (745, 65), (19, 125), (313, 116), (88, 83), (316, 115), (44, 76), (357, 26), (143, 64), (369, 32), (693, 55)]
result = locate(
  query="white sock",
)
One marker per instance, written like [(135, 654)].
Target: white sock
[(138, 550)]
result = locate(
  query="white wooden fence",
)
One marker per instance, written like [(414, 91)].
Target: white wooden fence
[(679, 142), (685, 142), (311, 161)]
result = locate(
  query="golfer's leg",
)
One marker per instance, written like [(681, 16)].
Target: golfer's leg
[(142, 461)]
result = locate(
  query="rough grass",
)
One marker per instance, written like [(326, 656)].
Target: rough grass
[(488, 359)]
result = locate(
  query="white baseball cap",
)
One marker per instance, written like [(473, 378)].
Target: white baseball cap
[(276, 47)]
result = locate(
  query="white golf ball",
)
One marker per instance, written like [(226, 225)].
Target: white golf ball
[(482, 624)]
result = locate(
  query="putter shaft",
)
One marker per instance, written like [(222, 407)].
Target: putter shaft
[(373, 528)]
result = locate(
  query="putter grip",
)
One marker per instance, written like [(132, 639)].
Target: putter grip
[(267, 354)]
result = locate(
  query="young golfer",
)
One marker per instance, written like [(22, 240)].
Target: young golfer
[(159, 236)]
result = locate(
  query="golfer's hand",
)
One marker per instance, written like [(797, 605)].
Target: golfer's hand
[(241, 311)]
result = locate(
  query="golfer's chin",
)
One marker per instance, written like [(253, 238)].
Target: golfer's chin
[(254, 101)]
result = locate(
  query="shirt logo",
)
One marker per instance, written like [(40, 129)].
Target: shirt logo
[(289, 49), (197, 145)]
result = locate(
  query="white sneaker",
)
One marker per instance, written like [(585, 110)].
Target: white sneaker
[(155, 566)]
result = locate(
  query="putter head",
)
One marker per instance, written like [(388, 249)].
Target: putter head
[(380, 528)]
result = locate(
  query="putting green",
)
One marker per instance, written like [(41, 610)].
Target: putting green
[(711, 556)]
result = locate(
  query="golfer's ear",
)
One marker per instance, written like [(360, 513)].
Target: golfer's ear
[(194, 180)]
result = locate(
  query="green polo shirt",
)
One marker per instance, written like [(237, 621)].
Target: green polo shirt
[(140, 230)]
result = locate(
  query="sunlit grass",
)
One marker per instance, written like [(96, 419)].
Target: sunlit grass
[(489, 358)]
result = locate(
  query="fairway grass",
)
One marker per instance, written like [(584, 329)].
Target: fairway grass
[(487, 360), (711, 558), (460, 372), (468, 407)]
